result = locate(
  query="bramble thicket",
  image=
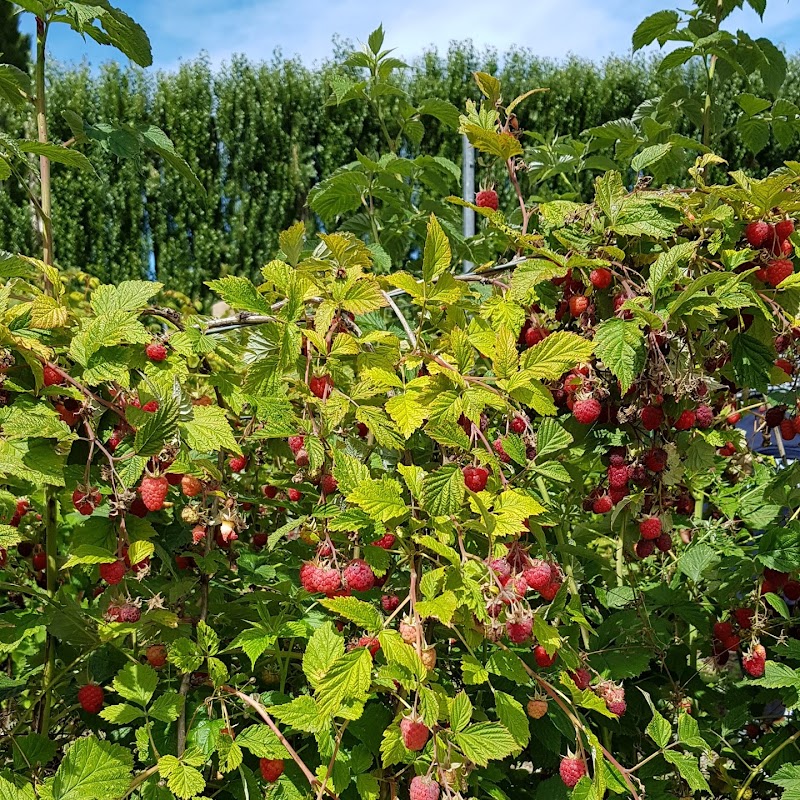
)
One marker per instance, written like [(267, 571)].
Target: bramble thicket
[(395, 530)]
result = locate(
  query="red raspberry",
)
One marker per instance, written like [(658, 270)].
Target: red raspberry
[(722, 630), (86, 501), (581, 678), (744, 617), (475, 478), (486, 198), (519, 631), (776, 578), (578, 304), (538, 575), (617, 456), (271, 769), (549, 592), (757, 233), (112, 573), (650, 528), (151, 406), (184, 562), (497, 444), (371, 643), (542, 659), (587, 411), (787, 430), (294, 495), (518, 425), (362, 429), (652, 417), (784, 229), (645, 548), (153, 491), (237, 463), (296, 443), (535, 335), (270, 492), (754, 662), (156, 351), (705, 416), (414, 732), (386, 542), (778, 269), (39, 561), (116, 438), (329, 581), (617, 476), (791, 591), (685, 421), (321, 386), (129, 613), (655, 460), (309, 577), (602, 505), (600, 278), (390, 603), (91, 697), (664, 543), (617, 495), (51, 376), (501, 568), (358, 575), (328, 484), (191, 486), (156, 655), (423, 788), (571, 770)]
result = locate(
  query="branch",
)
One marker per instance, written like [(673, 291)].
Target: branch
[(403, 321)]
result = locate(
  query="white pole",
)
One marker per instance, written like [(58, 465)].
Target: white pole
[(467, 193)]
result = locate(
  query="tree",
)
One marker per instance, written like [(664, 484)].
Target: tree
[(15, 47)]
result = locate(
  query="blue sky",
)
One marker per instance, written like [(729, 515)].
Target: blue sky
[(181, 29)]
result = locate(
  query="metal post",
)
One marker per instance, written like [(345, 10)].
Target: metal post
[(467, 193)]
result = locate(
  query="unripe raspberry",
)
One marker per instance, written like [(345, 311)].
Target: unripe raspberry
[(428, 657), (600, 278), (475, 478), (542, 659), (537, 707), (650, 528), (497, 444), (755, 661), (156, 655), (153, 491), (423, 788), (538, 575), (91, 697), (652, 417), (358, 576), (685, 420), (502, 570), (571, 770), (408, 632), (191, 486), (156, 351), (487, 198), (414, 732), (129, 613), (587, 411), (271, 769), (705, 416), (519, 631), (602, 505), (112, 573)]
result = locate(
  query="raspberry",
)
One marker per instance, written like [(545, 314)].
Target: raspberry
[(259, 540), (85, 502), (371, 643), (422, 787), (784, 229), (358, 575), (617, 707), (51, 376), (237, 463), (791, 591), (115, 439), (91, 697), (778, 269), (475, 478), (428, 657), (664, 543), (617, 456), (571, 770), (754, 662), (390, 603), (328, 484), (650, 528), (112, 573), (153, 491), (645, 548), (321, 386), (39, 561), (156, 655), (386, 542), (617, 476), (362, 429), (270, 492), (785, 365), (587, 411), (328, 580), (757, 233), (198, 534), (705, 417), (602, 505), (535, 335), (787, 430), (294, 495), (271, 769), (744, 617), (617, 495), (518, 425), (777, 579), (408, 631), (581, 678), (652, 417), (184, 562), (538, 575), (685, 421), (487, 198), (722, 630), (578, 304), (549, 592), (414, 732), (542, 659), (156, 351), (151, 406), (309, 577), (655, 460), (537, 707), (600, 278), (519, 631), (730, 643), (191, 486), (296, 443), (497, 444), (129, 613)]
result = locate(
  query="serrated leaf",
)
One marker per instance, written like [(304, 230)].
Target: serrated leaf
[(209, 431), (442, 607), (689, 770), (558, 353), (436, 257), (262, 742), (302, 713), (125, 296), (485, 741), (183, 781), (406, 411), (653, 27), (253, 642), (356, 611), (381, 499), (121, 713), (347, 679), (167, 707), (443, 491), (89, 554), (513, 716), (396, 651), (620, 345), (136, 682), (92, 770)]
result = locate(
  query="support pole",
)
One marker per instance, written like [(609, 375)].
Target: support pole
[(467, 193)]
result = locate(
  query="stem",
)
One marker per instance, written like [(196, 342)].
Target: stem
[(51, 549), (41, 126), (753, 772)]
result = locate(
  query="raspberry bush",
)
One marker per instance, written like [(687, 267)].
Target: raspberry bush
[(395, 530)]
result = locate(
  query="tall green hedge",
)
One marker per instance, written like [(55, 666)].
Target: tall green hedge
[(259, 136)]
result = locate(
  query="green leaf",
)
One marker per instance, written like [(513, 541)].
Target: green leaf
[(473, 671), (16, 84), (262, 742), (406, 411), (689, 732), (513, 717), (650, 155), (253, 642), (689, 770), (665, 268), (620, 345), (442, 607), (302, 713), (443, 491), (507, 665), (547, 635), (752, 362), (460, 711), (167, 707), (436, 257), (558, 353), (92, 770), (485, 741), (240, 294), (356, 611), (154, 428), (136, 682), (183, 780), (657, 25), (209, 431), (696, 560), (788, 778), (551, 437), (89, 554), (57, 153), (396, 651), (125, 296), (183, 653), (659, 730), (347, 679), (778, 603), (381, 499), (121, 714)]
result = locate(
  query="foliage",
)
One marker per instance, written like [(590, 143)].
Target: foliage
[(391, 523)]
